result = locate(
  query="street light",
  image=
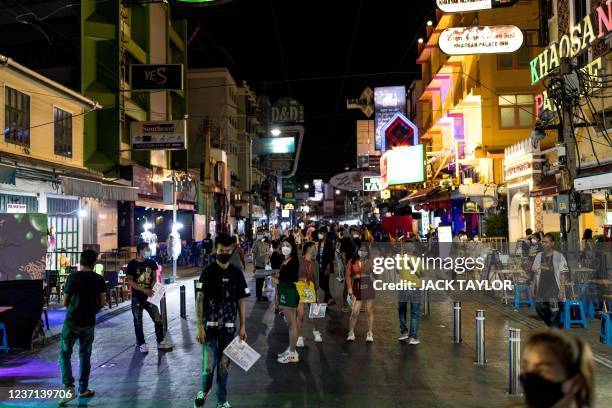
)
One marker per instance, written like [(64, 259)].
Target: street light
[(429, 23), (337, 192), (306, 186), (276, 132)]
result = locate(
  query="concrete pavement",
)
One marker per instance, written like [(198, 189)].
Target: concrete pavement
[(387, 373)]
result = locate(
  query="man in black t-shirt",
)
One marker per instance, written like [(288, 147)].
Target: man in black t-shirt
[(220, 298), (85, 294), (141, 276)]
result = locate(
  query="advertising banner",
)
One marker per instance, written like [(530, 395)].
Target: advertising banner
[(159, 135), (480, 40), (388, 101), (402, 165)]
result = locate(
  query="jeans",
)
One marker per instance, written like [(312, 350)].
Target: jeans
[(213, 357), (85, 336), (340, 267), (414, 297), (547, 315), (137, 307)]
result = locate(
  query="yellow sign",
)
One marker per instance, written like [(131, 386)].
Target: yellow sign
[(288, 206), (385, 194)]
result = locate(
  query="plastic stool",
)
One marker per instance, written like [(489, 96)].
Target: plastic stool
[(4, 344), (519, 290), (588, 296), (605, 328), (567, 314)]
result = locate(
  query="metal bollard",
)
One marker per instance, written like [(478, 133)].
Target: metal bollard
[(195, 291), (183, 307), (514, 361), (425, 302), (457, 322), (164, 313), (480, 337)]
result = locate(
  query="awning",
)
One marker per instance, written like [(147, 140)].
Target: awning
[(546, 187), (97, 189), (420, 194), (7, 175)]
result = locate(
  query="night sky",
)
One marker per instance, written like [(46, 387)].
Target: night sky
[(315, 37)]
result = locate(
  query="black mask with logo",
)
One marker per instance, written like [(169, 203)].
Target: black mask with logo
[(223, 258), (540, 392)]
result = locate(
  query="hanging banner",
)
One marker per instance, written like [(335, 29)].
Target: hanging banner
[(480, 40)]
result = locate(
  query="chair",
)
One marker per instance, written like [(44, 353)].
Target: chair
[(605, 328), (577, 307), (112, 287), (588, 296), (4, 345), (521, 289)]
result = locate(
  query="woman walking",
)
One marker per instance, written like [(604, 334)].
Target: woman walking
[(308, 287), (288, 298), (360, 288)]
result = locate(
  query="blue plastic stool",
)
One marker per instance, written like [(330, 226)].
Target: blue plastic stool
[(605, 328), (4, 345), (519, 290), (588, 296), (567, 314)]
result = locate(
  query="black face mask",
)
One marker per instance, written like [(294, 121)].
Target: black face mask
[(223, 258), (540, 392)]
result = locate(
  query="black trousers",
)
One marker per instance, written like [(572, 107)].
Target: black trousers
[(324, 281), (259, 283)]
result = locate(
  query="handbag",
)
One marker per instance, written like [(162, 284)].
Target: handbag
[(306, 290)]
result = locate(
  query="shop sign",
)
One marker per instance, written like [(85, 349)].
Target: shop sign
[(388, 101), (402, 165), (385, 194), (480, 40), (518, 170), (287, 110), (274, 145), (155, 77), (159, 135), (288, 206), (471, 207), (372, 183), (460, 6), (573, 43), (13, 208)]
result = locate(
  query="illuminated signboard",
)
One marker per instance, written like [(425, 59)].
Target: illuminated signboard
[(480, 40), (459, 6), (402, 165), (388, 101), (372, 183), (399, 131), (274, 145), (578, 39)]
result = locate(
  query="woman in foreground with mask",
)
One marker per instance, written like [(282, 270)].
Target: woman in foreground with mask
[(557, 371), (288, 297), (360, 289)]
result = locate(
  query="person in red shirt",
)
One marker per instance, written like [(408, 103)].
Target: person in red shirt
[(360, 289)]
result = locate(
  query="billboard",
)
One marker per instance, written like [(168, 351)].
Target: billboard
[(388, 101), (480, 40), (402, 165), (159, 135), (350, 180), (460, 6), (274, 145)]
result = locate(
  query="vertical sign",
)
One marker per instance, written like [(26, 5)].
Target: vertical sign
[(387, 102)]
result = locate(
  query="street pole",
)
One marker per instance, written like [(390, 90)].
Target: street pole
[(174, 258), (569, 233)]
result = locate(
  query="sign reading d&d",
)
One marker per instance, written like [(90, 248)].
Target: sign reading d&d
[(287, 110), (153, 77)]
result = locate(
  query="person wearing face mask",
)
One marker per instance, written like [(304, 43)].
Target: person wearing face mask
[(288, 297), (261, 257), (557, 371), (550, 272), (348, 248), (308, 287), (339, 262), (221, 292), (141, 276), (325, 255), (361, 289)]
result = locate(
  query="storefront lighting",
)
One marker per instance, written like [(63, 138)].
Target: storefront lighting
[(82, 213), (306, 186), (429, 23), (420, 41), (337, 192), (176, 227), (147, 226), (276, 132)]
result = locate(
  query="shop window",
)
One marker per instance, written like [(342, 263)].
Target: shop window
[(516, 111), (16, 117), (62, 132), (519, 59)]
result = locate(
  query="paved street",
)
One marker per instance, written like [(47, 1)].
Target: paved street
[(387, 373)]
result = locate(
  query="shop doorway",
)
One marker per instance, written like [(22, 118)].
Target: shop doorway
[(519, 216)]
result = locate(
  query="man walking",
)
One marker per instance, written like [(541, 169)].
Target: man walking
[(141, 275), (550, 274), (221, 292), (85, 294)]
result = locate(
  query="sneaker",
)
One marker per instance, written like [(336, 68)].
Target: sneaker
[(403, 337), (317, 336), (199, 400), (224, 405), (300, 342), (87, 394), (414, 340), (291, 357), (279, 355), (69, 395), (351, 336), (164, 345), (143, 348), (370, 337)]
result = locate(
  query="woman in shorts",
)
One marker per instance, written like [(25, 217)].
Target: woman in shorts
[(288, 298), (360, 289), (308, 286)]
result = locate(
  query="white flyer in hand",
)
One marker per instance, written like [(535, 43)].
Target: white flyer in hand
[(317, 310), (241, 353), (158, 292)]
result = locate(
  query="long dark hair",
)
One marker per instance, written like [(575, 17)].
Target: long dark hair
[(307, 246), (588, 234), (294, 250)]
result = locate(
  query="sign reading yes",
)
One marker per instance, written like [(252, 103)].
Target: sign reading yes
[(152, 77)]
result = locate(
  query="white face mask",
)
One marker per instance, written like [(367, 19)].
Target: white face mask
[(355, 236), (320, 236), (286, 250), (534, 241)]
